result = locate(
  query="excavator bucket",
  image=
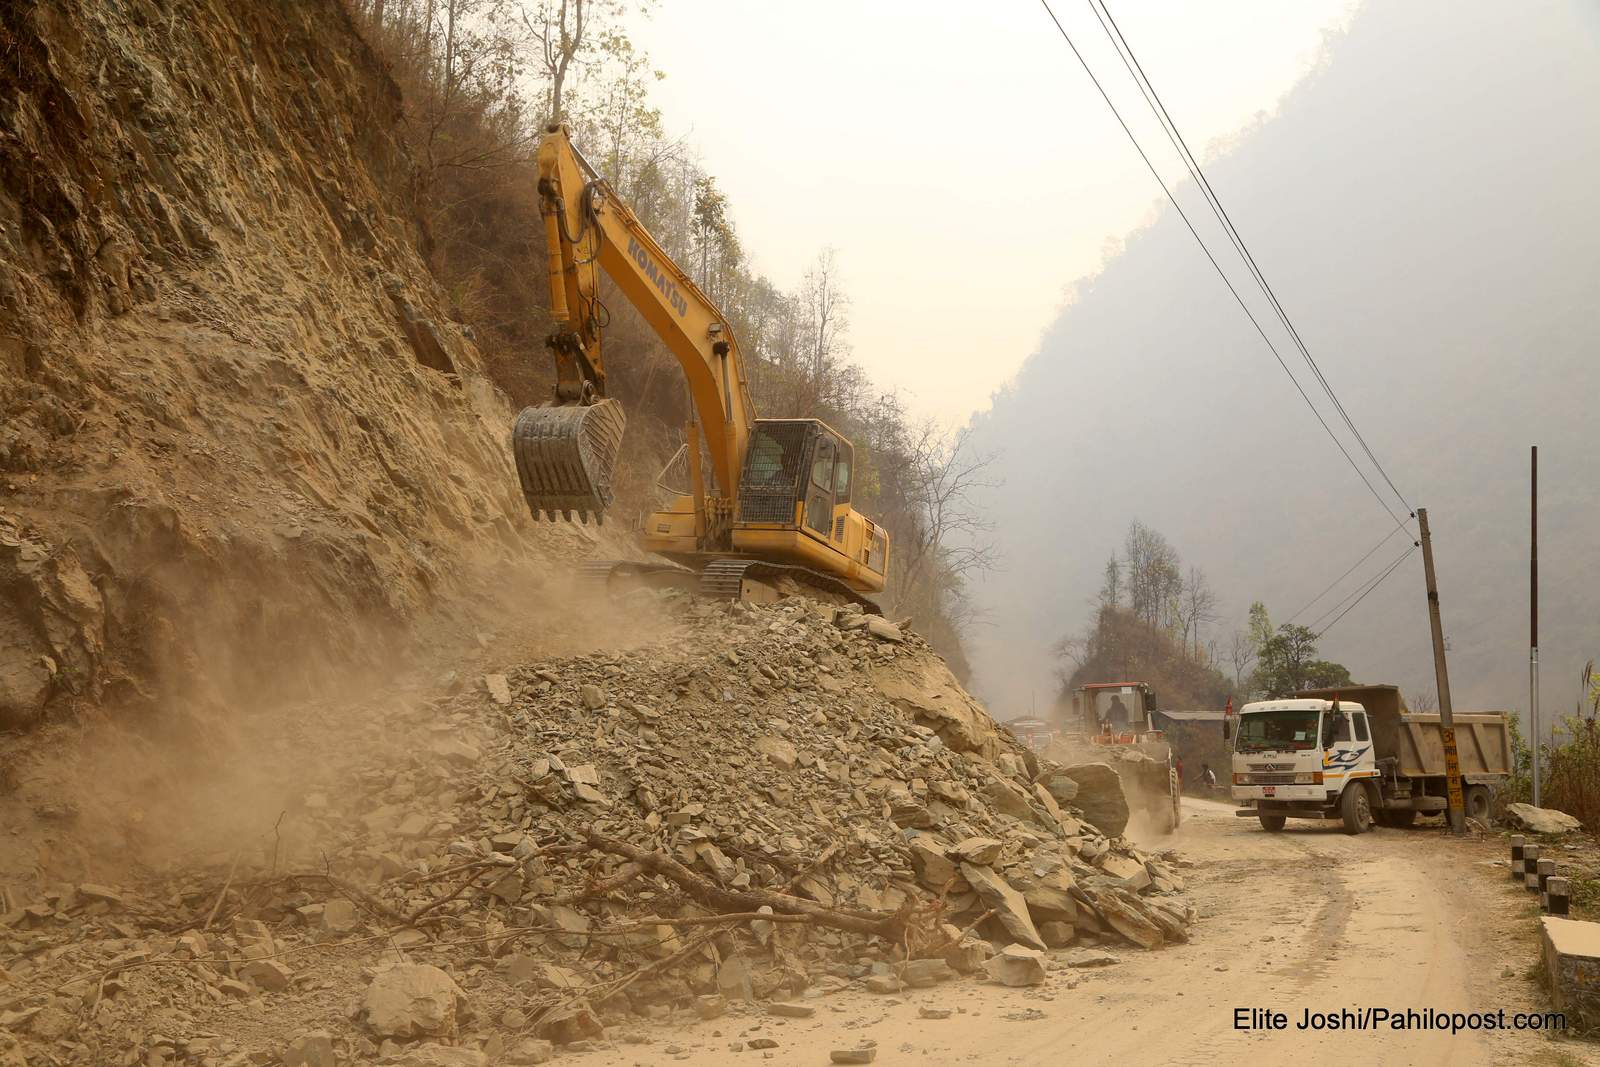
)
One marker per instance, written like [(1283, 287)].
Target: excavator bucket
[(565, 455)]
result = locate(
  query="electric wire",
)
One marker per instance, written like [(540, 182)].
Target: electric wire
[(1346, 599), (1381, 542), (1175, 137), (1217, 266), (1392, 568)]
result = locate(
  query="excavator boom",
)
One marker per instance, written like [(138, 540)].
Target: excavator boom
[(565, 450), (776, 506)]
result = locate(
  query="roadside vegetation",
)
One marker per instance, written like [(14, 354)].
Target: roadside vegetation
[(1154, 621), (1570, 764), (479, 80)]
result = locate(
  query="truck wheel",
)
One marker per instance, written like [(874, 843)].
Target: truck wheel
[(1478, 803), (1272, 823), (1356, 809)]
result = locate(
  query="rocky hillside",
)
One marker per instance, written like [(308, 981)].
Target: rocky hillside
[(238, 438), (761, 807)]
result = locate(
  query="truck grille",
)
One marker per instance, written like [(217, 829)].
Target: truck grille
[(1269, 779)]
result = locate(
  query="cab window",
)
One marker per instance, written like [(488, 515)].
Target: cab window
[(1361, 726), (822, 464), (841, 476)]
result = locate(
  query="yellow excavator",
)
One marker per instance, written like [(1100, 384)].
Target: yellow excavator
[(776, 506)]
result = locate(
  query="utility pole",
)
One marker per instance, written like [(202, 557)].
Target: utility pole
[(1533, 629), (1441, 673)]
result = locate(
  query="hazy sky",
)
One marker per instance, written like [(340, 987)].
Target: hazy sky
[(955, 154)]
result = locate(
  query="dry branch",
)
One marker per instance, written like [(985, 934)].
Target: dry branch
[(890, 926)]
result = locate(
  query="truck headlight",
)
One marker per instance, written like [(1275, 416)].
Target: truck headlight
[(1308, 778)]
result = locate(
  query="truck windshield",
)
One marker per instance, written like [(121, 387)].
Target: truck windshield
[(1277, 731)]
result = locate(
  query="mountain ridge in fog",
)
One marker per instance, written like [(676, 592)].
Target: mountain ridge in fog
[(1422, 204)]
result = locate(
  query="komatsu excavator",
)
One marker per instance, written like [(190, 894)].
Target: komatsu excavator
[(777, 504)]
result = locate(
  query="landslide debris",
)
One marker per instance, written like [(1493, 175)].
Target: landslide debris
[(751, 812)]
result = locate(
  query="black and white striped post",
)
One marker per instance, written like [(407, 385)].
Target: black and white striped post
[(1544, 870), (1556, 896), (1530, 866), (1517, 841)]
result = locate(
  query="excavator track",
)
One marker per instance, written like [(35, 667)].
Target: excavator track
[(723, 579), (595, 576)]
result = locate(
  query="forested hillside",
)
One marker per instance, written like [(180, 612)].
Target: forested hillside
[(1398, 229), (480, 79)]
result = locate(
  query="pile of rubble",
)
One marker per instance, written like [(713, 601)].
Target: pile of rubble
[(776, 802)]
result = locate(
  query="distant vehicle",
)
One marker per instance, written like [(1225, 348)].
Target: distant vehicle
[(1035, 733), (1357, 756)]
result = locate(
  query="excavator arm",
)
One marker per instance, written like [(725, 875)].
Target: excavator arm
[(565, 450)]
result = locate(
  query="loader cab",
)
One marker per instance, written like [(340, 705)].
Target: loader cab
[(1118, 710)]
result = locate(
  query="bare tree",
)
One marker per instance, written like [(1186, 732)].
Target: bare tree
[(1424, 701), (946, 535), (1111, 584), (826, 310), (1197, 606), (561, 30), (1242, 655)]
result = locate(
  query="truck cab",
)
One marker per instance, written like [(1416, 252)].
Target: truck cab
[(1300, 758)]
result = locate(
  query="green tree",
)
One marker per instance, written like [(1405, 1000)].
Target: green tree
[(1288, 662), (1260, 626)]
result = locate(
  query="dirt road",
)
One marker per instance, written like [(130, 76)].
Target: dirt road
[(1307, 919)]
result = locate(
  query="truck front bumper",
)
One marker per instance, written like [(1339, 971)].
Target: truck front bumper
[(1255, 794)]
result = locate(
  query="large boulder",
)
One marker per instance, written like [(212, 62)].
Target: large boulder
[(1009, 906), (923, 687), (1100, 796), (1125, 914), (1542, 820), (414, 1000), (1017, 965)]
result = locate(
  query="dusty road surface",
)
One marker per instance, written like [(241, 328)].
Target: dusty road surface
[(1306, 919)]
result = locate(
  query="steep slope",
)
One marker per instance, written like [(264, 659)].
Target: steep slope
[(1422, 205), (238, 439)]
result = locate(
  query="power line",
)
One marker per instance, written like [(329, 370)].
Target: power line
[(1381, 542), (1354, 594), (1392, 568), (1175, 137), (1215, 265)]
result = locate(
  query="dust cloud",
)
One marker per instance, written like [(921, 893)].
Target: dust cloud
[(215, 769)]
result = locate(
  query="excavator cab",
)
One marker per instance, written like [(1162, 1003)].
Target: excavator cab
[(791, 507)]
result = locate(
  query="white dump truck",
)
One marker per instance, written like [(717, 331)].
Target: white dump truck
[(1357, 755)]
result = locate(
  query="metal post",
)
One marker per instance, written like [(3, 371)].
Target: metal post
[(1441, 673), (1533, 629)]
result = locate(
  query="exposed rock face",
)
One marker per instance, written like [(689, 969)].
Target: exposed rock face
[(233, 416)]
